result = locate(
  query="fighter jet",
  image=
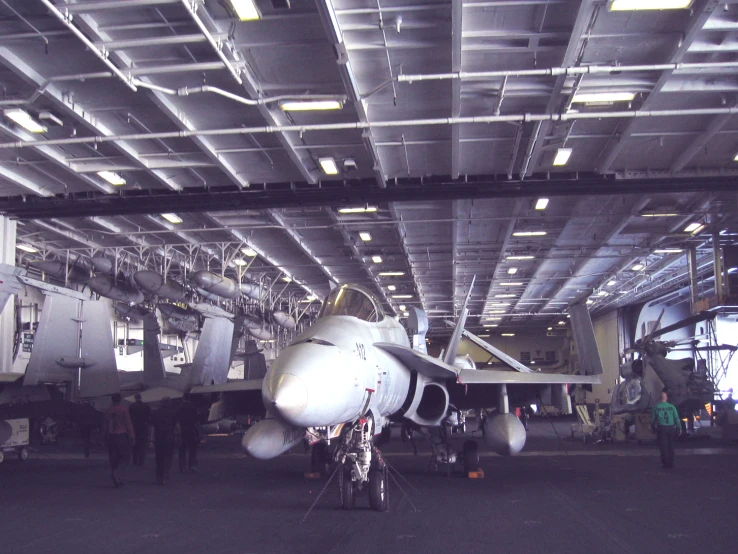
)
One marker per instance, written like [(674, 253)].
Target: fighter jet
[(351, 373)]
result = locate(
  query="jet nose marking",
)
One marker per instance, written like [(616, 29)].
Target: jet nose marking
[(290, 397)]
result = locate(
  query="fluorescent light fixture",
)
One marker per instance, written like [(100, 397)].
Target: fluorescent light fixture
[(497, 312), (694, 227), (240, 262), (561, 323), (392, 274), (550, 329), (357, 210), (245, 10), (24, 119), (603, 293), (590, 301), (659, 214), (287, 279), (512, 270), (490, 325), (403, 308), (602, 97), (562, 156), (735, 158), (308, 299), (401, 296), (310, 105), (541, 203), (377, 259), (112, 177), (508, 334), (172, 218), (505, 295), (391, 288), (637, 267), (328, 165), (511, 284), (611, 283), (499, 304), (250, 252), (26, 248), (520, 257), (493, 319), (529, 234), (668, 251), (638, 5), (366, 237)]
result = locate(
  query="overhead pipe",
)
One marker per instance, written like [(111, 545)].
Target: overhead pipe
[(66, 20), (625, 114)]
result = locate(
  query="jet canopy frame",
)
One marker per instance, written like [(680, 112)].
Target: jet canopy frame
[(353, 300)]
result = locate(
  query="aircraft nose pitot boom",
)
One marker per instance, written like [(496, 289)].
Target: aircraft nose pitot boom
[(313, 384)]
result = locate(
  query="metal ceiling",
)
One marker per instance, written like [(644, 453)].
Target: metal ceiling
[(452, 114)]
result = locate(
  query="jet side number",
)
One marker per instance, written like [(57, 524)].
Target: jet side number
[(361, 351)]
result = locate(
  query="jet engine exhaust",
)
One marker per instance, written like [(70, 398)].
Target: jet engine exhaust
[(269, 438), (505, 434)]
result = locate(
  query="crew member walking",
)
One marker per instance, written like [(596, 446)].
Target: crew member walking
[(120, 434), (164, 422), (665, 418), (187, 418), (141, 418)]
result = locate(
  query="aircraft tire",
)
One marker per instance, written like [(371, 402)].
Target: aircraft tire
[(378, 491), (471, 456), (347, 492)]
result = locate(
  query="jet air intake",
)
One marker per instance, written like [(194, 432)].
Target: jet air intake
[(430, 402)]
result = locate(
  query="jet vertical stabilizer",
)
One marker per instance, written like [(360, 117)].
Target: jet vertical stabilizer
[(453, 344), (212, 357), (9, 285), (584, 337), (153, 363), (418, 324), (100, 378)]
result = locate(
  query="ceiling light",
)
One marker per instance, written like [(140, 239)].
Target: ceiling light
[(637, 5), (498, 304), (508, 334), (245, 10), (520, 257), (529, 234), (497, 311), (550, 329), (391, 287), (602, 97), (694, 227), (112, 178), (26, 248), (287, 279), (505, 295), (377, 259), (240, 262), (310, 105), (357, 210), (562, 156), (172, 218), (405, 314), (329, 166), (484, 336), (308, 299), (637, 267), (403, 308), (541, 203), (366, 237), (602, 293), (250, 252), (24, 119), (561, 323), (611, 283), (512, 270), (511, 284), (659, 214), (668, 251), (401, 296), (493, 319), (392, 274), (590, 301), (490, 325)]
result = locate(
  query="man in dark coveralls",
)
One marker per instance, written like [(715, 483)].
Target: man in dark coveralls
[(164, 422), (141, 418)]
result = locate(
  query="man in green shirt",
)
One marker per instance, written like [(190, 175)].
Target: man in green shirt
[(665, 418)]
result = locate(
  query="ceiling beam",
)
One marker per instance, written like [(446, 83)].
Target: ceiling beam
[(701, 12), (457, 10), (699, 142)]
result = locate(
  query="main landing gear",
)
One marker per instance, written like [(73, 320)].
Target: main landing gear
[(362, 468)]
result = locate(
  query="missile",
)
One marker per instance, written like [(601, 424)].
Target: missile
[(208, 296), (58, 270), (215, 284), (107, 287), (221, 426), (126, 310), (210, 311), (186, 325), (283, 319), (252, 322), (174, 312), (269, 438), (153, 283), (251, 290), (102, 264), (259, 333), (505, 434)]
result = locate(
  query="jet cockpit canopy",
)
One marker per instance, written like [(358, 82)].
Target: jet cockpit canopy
[(353, 300)]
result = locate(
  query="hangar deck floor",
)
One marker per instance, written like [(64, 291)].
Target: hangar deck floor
[(554, 499)]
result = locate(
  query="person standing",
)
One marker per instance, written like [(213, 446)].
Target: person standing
[(141, 418), (120, 433), (164, 421), (665, 418), (187, 419)]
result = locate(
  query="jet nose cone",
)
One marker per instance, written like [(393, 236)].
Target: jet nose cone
[(289, 397)]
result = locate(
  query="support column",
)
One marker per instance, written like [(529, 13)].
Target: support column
[(692, 265), (7, 317), (717, 265)]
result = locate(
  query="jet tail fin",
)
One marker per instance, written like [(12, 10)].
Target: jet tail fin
[(584, 337), (153, 363), (212, 358), (453, 344)]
